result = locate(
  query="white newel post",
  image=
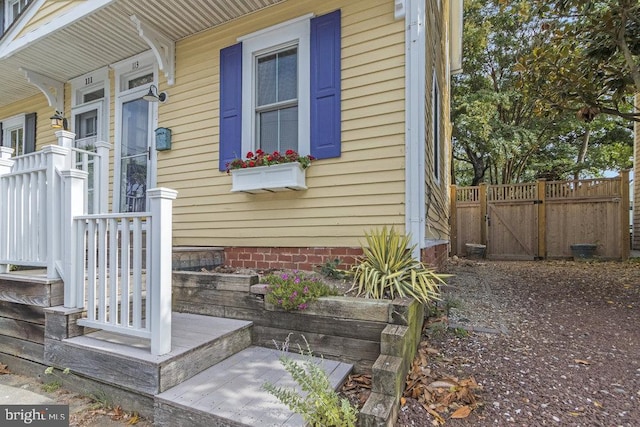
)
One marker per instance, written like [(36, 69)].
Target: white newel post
[(5, 167), (56, 158), (102, 149), (73, 205), (65, 139), (161, 205)]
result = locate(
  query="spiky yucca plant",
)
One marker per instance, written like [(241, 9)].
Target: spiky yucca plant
[(388, 269)]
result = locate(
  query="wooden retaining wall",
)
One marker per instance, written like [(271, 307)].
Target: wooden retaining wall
[(348, 329)]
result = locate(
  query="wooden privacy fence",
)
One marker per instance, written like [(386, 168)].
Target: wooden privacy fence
[(543, 219)]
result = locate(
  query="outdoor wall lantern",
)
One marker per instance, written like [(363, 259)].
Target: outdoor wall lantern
[(154, 96), (58, 121)]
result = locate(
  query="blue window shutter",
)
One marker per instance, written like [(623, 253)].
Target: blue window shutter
[(30, 133), (325, 86), (230, 104)]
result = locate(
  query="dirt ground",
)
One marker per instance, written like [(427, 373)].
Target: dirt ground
[(552, 343)]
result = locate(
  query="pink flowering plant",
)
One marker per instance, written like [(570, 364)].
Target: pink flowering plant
[(260, 158), (295, 290)]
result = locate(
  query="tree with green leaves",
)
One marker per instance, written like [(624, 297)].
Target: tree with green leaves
[(585, 58), (504, 127)]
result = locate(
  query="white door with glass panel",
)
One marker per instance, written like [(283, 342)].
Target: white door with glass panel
[(135, 141), (87, 124)]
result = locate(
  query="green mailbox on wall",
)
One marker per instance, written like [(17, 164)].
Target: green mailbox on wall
[(163, 139)]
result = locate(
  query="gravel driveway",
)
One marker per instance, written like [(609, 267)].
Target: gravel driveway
[(555, 343)]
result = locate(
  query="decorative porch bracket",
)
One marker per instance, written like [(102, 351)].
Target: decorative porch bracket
[(52, 89), (162, 46)]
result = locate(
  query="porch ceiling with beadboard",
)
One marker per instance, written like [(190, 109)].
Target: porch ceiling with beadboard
[(108, 36)]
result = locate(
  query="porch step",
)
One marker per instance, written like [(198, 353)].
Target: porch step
[(195, 258), (230, 393), (31, 287), (198, 342)]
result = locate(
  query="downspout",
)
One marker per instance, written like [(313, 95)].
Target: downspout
[(415, 69)]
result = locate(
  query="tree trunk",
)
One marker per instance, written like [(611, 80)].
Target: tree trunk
[(583, 153)]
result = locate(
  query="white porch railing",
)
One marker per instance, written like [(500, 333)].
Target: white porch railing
[(44, 223), (127, 291), (31, 207)]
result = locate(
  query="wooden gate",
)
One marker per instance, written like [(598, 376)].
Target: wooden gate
[(542, 219), (512, 221)]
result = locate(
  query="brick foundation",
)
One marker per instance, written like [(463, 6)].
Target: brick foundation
[(435, 255), (289, 258), (308, 258)]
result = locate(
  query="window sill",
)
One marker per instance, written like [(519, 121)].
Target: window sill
[(261, 179)]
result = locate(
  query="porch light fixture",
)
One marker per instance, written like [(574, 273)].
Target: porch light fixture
[(154, 96), (58, 121)]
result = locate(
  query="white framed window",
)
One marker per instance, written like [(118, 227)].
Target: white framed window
[(14, 134), (275, 81), (89, 112), (12, 9)]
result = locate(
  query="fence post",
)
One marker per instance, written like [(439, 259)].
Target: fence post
[(161, 204), (483, 213), (102, 183), (72, 206), (453, 221), (541, 188), (624, 214), (56, 159), (5, 167)]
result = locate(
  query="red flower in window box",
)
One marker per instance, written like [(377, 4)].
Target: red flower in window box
[(260, 158)]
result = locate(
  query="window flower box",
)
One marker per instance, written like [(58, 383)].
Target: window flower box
[(260, 179)]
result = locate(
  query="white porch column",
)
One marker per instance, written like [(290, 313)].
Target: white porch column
[(5, 167), (159, 282), (72, 206), (56, 158), (102, 183)]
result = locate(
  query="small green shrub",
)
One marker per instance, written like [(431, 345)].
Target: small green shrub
[(294, 291), (388, 269), (317, 402), (54, 385), (461, 332), (330, 269)]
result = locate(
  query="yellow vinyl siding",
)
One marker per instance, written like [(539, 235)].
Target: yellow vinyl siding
[(361, 189), (47, 12), (36, 104)]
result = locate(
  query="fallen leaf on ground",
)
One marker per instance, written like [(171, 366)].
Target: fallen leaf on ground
[(461, 412), (3, 369), (441, 384), (582, 362)]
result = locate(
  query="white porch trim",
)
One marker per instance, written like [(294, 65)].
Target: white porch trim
[(162, 46), (52, 89), (83, 9)]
